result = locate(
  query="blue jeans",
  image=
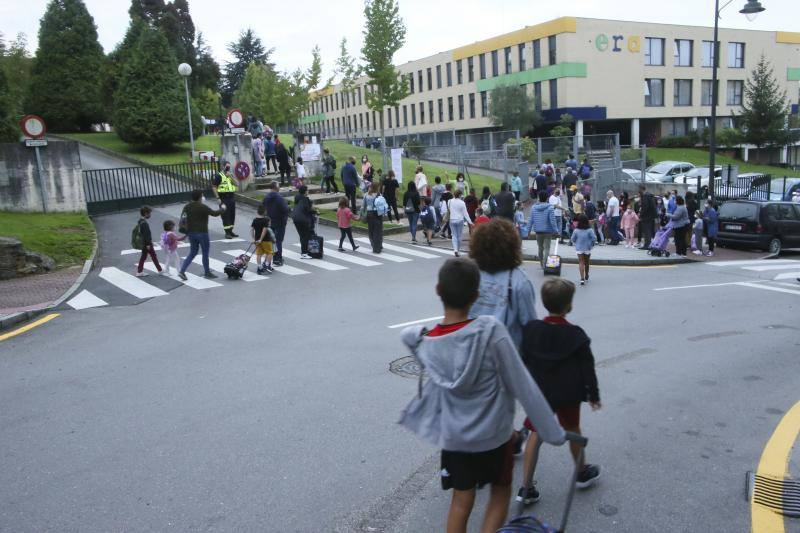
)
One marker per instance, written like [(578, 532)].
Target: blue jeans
[(456, 228), (613, 229), (412, 224), (197, 240)]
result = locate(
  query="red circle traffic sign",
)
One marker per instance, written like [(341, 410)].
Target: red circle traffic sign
[(241, 170), (236, 118), (33, 126)]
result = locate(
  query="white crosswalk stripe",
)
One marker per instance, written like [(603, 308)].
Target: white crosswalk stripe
[(788, 275), (407, 251), (767, 267), (764, 265), (443, 251), (219, 266), (85, 300), (749, 262), (157, 247), (348, 257), (193, 281), (130, 284), (318, 263), (285, 269)]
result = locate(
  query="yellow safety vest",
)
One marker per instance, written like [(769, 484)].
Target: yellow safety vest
[(226, 184)]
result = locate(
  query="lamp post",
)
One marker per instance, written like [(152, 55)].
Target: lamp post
[(185, 70), (751, 11)]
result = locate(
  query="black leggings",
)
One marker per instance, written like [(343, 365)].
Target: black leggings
[(304, 232), (392, 207), (346, 232), (680, 240), (712, 242)]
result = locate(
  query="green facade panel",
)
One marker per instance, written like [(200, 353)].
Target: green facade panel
[(793, 74), (319, 117), (551, 72)]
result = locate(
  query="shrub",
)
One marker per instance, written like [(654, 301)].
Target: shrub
[(675, 141)]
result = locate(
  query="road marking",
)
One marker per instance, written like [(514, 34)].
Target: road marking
[(156, 247), (130, 284), (749, 262), (766, 287), (388, 257), (440, 250), (787, 275), (768, 267), (421, 321), (319, 263), (85, 300), (774, 463), (705, 285), (28, 327), (219, 266), (402, 250), (285, 269), (194, 281), (351, 258)]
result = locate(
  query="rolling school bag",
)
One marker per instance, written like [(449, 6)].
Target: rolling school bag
[(315, 248), (236, 268), (552, 266)]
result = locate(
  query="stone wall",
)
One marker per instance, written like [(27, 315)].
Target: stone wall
[(15, 261), (20, 187)]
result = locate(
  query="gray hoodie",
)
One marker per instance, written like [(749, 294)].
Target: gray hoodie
[(474, 375), (494, 300)]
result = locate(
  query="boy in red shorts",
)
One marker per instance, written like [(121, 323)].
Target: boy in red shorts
[(466, 407), (559, 357)]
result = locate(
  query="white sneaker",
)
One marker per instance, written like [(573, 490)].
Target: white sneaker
[(142, 274), (305, 256), (697, 252), (710, 254)]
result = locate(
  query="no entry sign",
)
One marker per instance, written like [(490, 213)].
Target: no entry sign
[(33, 126), (236, 118), (241, 170)]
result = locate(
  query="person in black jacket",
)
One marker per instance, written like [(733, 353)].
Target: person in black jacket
[(147, 242), (559, 357), (303, 218), (647, 215), (506, 203), (278, 212), (282, 156), (411, 208)]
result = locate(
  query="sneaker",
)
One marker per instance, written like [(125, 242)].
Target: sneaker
[(142, 274), (234, 234), (457, 254), (582, 282), (528, 496), (341, 249), (260, 270), (519, 444), (160, 272), (182, 275), (710, 254), (356, 247), (210, 275), (588, 476), (697, 252), (269, 269), (305, 256)]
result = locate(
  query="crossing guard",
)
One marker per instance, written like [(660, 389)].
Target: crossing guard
[(225, 189)]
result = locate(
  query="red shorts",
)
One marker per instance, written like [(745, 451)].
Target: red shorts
[(568, 417)]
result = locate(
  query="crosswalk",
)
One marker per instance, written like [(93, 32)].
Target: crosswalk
[(777, 271), (115, 284)]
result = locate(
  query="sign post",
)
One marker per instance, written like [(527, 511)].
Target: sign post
[(236, 119), (34, 129)]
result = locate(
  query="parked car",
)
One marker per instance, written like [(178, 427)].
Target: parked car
[(770, 226), (690, 178), (665, 171), (632, 174)]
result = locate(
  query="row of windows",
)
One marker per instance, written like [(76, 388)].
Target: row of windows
[(683, 53), (683, 91)]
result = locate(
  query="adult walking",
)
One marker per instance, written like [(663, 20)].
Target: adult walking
[(329, 172), (436, 197), (389, 190), (269, 153), (516, 185), (350, 181), (680, 225), (458, 216), (278, 212), (711, 226), (374, 220), (197, 214), (421, 181), (612, 214), (506, 202), (648, 213), (545, 224), (225, 190), (303, 218), (411, 208), (367, 170), (258, 155), (283, 161)]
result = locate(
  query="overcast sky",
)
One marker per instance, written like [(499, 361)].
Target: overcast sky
[(433, 25)]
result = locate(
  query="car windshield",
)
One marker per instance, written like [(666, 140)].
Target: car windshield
[(697, 172), (660, 168), (738, 211)]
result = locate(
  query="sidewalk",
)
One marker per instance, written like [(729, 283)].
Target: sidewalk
[(32, 293)]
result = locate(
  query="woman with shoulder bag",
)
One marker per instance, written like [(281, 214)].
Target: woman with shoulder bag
[(411, 206), (374, 220)]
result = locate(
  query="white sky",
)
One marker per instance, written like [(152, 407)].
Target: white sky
[(432, 25)]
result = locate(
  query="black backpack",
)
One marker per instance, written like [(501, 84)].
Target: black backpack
[(591, 210)]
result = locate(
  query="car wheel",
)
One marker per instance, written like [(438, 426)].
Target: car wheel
[(775, 246)]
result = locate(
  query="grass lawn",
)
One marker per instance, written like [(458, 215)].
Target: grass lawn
[(699, 158), (66, 237)]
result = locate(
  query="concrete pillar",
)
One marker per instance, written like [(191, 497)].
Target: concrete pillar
[(694, 123), (745, 153), (579, 133), (784, 154), (635, 132)]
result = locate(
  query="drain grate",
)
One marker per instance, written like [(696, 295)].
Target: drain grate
[(782, 495), (406, 367)]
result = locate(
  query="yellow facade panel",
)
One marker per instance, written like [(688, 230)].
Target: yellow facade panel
[(787, 37), (529, 33)]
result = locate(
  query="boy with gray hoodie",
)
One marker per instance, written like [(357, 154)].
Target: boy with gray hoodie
[(466, 407)]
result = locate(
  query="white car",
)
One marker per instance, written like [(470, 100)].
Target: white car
[(690, 178), (665, 171)]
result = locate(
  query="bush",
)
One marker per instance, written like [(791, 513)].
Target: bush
[(676, 141), (524, 148), (729, 137)]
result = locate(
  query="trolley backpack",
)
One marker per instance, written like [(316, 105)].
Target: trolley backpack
[(315, 246), (236, 268), (552, 266)]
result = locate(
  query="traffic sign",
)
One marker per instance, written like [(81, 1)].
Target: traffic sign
[(241, 170), (35, 142), (33, 126), (236, 118)]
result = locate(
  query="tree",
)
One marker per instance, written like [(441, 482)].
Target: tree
[(149, 11), (384, 34), (178, 27), (207, 103), (415, 148), (149, 105), (259, 93), (117, 59), (66, 77), (9, 132), (206, 73), (563, 145), (248, 49), (314, 74), (511, 107), (764, 111), (347, 67), (16, 64)]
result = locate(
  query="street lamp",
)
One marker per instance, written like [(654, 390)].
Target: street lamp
[(751, 11), (185, 70)]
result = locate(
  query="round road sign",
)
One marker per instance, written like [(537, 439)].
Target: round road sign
[(33, 126), (236, 118), (241, 170)]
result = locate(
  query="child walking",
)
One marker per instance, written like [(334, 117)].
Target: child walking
[(427, 216), (466, 407), (263, 237), (300, 170), (519, 221), (169, 243), (629, 221), (147, 242), (697, 236), (584, 239), (343, 216), (559, 357)]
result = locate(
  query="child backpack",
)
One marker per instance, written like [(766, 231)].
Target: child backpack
[(591, 210), (586, 170), (136, 237), (486, 205), (381, 206)]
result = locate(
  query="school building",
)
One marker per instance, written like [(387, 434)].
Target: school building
[(639, 79)]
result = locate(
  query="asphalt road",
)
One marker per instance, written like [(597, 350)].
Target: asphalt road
[(269, 406)]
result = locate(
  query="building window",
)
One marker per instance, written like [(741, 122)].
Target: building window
[(679, 126), (389, 117), (336, 101), (419, 79), (361, 121), (358, 92), (430, 79), (484, 103), (654, 51), (411, 84), (470, 69), (495, 66), (537, 53), (397, 116), (735, 88), (706, 93), (450, 108), (508, 60), (654, 94), (521, 52), (460, 107), (459, 72), (683, 93), (482, 63), (551, 46), (413, 115), (683, 52), (405, 115), (441, 110), (366, 116), (430, 111), (537, 95), (449, 71), (736, 55), (438, 76), (471, 105), (422, 112), (553, 94), (707, 59), (374, 120)]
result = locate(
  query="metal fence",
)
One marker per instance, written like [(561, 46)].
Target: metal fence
[(118, 189)]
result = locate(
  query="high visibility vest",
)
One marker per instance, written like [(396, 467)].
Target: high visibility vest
[(226, 184)]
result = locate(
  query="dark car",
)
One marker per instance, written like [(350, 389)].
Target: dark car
[(771, 226)]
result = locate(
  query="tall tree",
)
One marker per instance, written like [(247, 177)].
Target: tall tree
[(384, 35), (349, 70), (314, 74), (206, 71), (512, 108), (260, 94), (16, 64), (117, 59), (150, 11), (765, 108), (9, 132), (246, 50), (178, 27), (149, 106), (66, 77)]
